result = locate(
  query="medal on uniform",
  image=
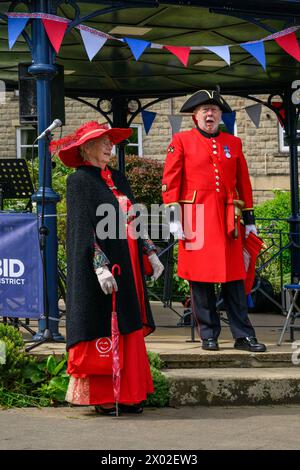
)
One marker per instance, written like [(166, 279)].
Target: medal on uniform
[(227, 151)]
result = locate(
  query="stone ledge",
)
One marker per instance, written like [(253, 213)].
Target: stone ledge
[(234, 386)]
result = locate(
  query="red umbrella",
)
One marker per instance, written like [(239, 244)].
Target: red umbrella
[(115, 338)]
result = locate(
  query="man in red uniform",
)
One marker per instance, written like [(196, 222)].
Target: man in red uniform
[(207, 174)]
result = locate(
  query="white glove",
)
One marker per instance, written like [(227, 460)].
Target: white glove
[(175, 224), (106, 280), (250, 228), (157, 266), (177, 230)]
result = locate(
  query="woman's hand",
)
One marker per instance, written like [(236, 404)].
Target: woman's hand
[(157, 266), (106, 280)]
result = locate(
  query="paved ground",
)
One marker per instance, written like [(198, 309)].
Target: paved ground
[(272, 427), (168, 428)]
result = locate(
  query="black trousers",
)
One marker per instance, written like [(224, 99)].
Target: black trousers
[(204, 301)]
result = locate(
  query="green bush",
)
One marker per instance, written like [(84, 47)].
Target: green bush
[(277, 208), (26, 382), (11, 372), (160, 397), (144, 176)]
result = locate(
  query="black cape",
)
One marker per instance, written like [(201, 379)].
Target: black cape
[(88, 308)]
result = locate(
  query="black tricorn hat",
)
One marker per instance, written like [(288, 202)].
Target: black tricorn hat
[(205, 97)]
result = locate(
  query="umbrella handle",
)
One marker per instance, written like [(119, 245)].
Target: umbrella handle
[(117, 268)]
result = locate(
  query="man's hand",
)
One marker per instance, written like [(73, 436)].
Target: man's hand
[(157, 266), (250, 228), (106, 280)]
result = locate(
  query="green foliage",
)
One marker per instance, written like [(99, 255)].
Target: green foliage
[(144, 176), (155, 360), (59, 178), (11, 373), (26, 382), (270, 230), (160, 397)]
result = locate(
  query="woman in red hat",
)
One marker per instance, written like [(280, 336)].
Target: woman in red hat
[(90, 255)]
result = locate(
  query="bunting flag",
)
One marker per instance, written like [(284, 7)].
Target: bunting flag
[(15, 28), (55, 31), (221, 51), (137, 46), (148, 119), (289, 44), (229, 121), (182, 53), (175, 122), (257, 49), (281, 115), (254, 112), (92, 43), (56, 26)]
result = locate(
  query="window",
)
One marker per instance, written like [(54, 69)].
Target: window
[(283, 145), (25, 139), (135, 147)]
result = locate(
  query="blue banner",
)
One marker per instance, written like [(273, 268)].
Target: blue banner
[(21, 273)]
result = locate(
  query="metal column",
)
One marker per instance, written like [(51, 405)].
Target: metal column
[(294, 220), (43, 71)]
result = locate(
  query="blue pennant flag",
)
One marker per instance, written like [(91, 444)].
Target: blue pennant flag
[(148, 118), (229, 121), (257, 49), (15, 28), (137, 46), (250, 303)]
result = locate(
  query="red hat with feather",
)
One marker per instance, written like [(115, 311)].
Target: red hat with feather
[(68, 146)]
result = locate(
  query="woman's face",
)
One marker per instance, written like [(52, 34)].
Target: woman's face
[(98, 151)]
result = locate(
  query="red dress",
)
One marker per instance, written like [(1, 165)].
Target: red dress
[(136, 380)]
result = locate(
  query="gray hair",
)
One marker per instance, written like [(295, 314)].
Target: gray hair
[(82, 149)]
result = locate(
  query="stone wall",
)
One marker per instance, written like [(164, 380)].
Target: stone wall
[(269, 169)]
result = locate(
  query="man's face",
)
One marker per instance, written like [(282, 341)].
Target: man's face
[(209, 117)]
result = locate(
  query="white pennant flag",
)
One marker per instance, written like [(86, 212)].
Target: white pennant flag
[(221, 51), (92, 43), (254, 112)]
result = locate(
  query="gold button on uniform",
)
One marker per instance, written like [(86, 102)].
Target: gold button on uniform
[(218, 190)]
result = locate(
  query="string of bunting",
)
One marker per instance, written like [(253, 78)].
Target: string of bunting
[(94, 40)]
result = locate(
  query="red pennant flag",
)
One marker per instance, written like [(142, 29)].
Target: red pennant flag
[(289, 44), (55, 31), (182, 53), (281, 115)]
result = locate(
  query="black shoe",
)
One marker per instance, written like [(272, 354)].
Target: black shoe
[(135, 409), (210, 344), (249, 344), (107, 411)]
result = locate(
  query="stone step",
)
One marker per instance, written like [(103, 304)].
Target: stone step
[(232, 386), (224, 359)]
